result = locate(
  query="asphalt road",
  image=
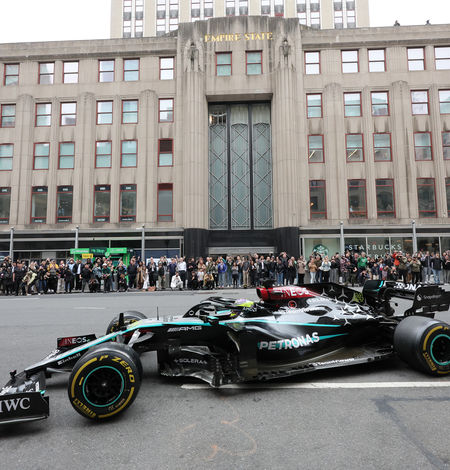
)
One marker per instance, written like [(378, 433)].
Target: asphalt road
[(311, 421)]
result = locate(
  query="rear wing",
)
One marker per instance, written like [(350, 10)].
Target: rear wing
[(427, 299)]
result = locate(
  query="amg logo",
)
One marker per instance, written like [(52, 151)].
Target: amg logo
[(14, 403), (67, 359), (184, 328), (187, 360)]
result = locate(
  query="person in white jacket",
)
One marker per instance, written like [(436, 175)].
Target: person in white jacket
[(176, 282)]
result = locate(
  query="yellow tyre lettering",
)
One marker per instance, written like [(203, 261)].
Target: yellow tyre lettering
[(74, 381), (428, 337), (121, 408)]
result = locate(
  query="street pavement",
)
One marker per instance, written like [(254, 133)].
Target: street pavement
[(373, 416)]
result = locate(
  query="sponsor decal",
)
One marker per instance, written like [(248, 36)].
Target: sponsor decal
[(401, 285), (292, 343), (184, 328), (188, 360), (293, 292), (421, 297), (67, 359), (84, 409), (336, 361), (73, 341), (125, 365), (13, 404), (358, 297)]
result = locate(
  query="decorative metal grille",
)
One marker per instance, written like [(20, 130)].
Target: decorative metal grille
[(240, 167), (218, 170)]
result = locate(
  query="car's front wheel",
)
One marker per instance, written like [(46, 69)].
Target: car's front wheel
[(105, 381)]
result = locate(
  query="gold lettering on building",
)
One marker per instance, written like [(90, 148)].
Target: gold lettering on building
[(266, 35)]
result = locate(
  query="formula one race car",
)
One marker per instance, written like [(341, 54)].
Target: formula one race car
[(291, 330)]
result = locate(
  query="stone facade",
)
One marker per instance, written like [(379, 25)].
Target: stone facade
[(195, 86)]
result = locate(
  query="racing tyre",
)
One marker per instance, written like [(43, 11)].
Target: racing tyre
[(129, 317), (105, 381), (424, 344)]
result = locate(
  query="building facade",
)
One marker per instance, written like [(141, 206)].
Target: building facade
[(138, 18), (231, 135)]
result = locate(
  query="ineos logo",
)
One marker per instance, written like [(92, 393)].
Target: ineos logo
[(14, 403)]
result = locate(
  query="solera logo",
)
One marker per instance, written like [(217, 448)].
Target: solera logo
[(14, 403)]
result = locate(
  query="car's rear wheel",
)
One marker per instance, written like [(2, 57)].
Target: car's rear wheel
[(105, 381), (129, 317), (424, 343)]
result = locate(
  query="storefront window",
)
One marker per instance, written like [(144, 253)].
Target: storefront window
[(430, 244), (378, 246), (323, 246)]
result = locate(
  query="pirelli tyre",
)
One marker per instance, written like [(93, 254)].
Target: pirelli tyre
[(129, 317), (424, 343), (105, 381)]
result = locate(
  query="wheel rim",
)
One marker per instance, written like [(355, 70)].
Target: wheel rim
[(440, 350), (103, 386)]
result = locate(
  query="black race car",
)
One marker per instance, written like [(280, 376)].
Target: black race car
[(291, 330)]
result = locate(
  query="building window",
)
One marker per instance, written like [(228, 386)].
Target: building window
[(253, 62), (209, 10), (230, 9), (46, 73), (385, 198), (447, 190), (416, 58), (426, 197), (279, 8), (106, 70), (419, 102), (130, 70), (102, 202), (315, 149), (8, 115), (350, 61), (64, 203), (446, 145), (165, 152), (223, 64), (129, 111), (377, 60), (5, 205), (66, 155), (70, 72), (380, 103), (265, 7), (422, 146), (6, 156), (195, 9), (352, 104), (39, 204), (165, 202), (382, 147), (314, 105), (104, 112), (11, 74), (317, 199), (357, 205), (43, 114), (68, 114), (103, 154), (128, 155), (41, 156), (312, 63), (442, 58), (127, 203), (166, 110), (166, 68), (354, 147), (444, 101)]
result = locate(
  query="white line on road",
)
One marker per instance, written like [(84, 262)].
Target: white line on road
[(324, 385), (89, 308)]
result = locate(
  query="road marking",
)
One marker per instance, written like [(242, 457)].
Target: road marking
[(323, 385), (89, 308)]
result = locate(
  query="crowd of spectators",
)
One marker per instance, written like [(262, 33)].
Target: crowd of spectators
[(102, 275)]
